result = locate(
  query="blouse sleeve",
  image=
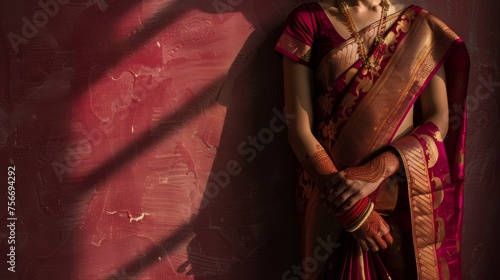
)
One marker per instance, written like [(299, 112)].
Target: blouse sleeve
[(297, 39)]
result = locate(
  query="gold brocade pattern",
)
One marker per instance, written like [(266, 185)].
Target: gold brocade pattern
[(410, 65), (460, 158), (342, 57), (421, 206), (437, 136), (441, 232), (445, 271), (295, 47), (431, 151), (382, 107), (438, 191)]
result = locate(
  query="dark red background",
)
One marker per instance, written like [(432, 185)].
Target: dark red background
[(115, 113)]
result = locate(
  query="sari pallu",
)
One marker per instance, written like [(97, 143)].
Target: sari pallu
[(357, 114)]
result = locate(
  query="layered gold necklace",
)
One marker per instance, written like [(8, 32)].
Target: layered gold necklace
[(369, 63)]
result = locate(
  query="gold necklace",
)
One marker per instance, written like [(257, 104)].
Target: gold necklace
[(348, 21)]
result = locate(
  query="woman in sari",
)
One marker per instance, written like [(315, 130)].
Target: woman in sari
[(375, 93)]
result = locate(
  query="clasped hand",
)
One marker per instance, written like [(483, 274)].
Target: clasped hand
[(344, 189)]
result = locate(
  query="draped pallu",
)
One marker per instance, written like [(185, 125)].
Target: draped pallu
[(357, 113)]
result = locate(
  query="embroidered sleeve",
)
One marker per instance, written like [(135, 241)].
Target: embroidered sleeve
[(297, 39)]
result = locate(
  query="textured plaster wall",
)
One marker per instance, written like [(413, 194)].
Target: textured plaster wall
[(149, 143)]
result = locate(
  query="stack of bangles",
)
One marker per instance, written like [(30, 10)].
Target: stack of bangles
[(355, 216)]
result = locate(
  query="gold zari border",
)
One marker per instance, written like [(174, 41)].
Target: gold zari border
[(295, 47), (421, 207)]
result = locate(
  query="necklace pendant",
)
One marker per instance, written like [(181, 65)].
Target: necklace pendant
[(369, 63), (385, 4)]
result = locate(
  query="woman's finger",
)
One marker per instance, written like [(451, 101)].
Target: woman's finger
[(380, 242), (334, 191), (332, 181), (338, 191), (384, 227), (363, 245), (337, 188), (388, 239), (385, 232), (372, 244), (348, 203), (342, 199)]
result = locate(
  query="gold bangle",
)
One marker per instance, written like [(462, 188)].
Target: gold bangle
[(370, 208)]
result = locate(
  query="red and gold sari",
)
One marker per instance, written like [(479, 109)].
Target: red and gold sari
[(357, 114)]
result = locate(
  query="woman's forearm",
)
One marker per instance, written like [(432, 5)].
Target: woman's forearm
[(298, 89)]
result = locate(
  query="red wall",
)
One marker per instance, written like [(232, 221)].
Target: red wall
[(148, 143)]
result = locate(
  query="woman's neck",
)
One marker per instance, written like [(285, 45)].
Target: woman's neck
[(369, 4)]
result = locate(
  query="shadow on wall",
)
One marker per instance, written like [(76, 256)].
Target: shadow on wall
[(246, 229), (246, 225)]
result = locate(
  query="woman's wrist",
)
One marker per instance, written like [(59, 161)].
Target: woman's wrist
[(361, 219), (354, 217), (319, 165)]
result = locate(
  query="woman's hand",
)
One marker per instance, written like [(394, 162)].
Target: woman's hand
[(347, 187), (373, 234), (366, 225), (344, 192)]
